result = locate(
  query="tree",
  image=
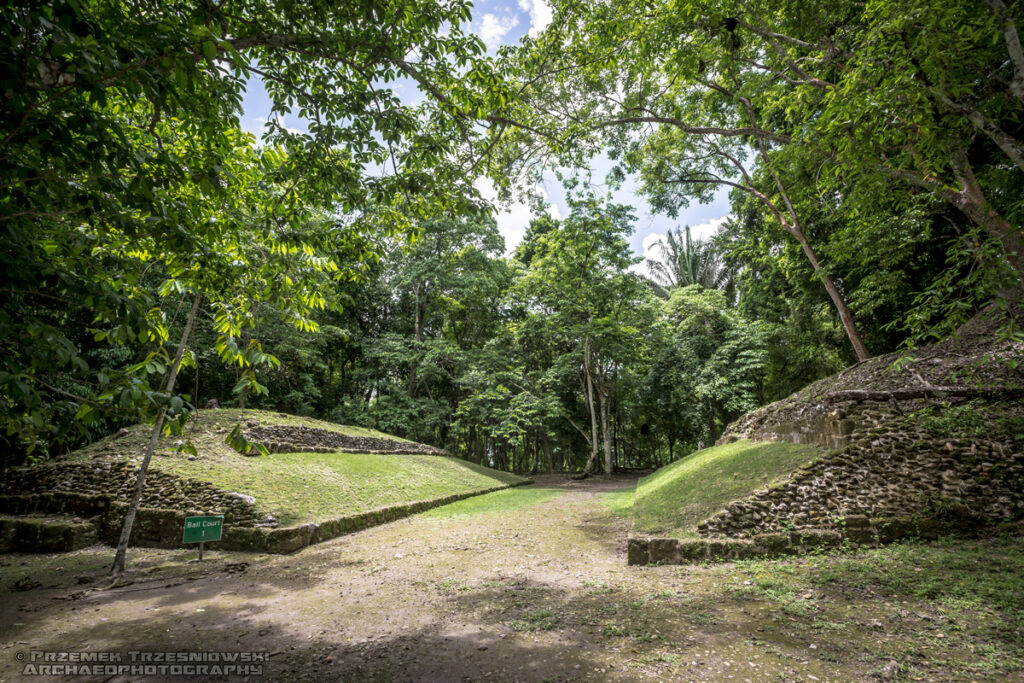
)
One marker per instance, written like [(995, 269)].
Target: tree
[(684, 112), (907, 101), (722, 359), (440, 261), (123, 161), (591, 309), (685, 261)]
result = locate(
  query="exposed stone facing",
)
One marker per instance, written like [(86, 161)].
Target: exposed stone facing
[(813, 423), (288, 439), (885, 471), (163, 528), (99, 516), (45, 534), (974, 355), (857, 530), (884, 475), (116, 479)]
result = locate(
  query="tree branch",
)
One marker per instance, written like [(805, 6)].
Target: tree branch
[(699, 130), (1012, 46), (1006, 142)]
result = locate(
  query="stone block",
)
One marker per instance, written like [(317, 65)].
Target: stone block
[(930, 529), (159, 528), (637, 551), (773, 543), (7, 531), (856, 521), (54, 538), (819, 538), (26, 535), (894, 528), (861, 535), (288, 540), (243, 538), (331, 529), (744, 549), (692, 551), (719, 549), (663, 551)]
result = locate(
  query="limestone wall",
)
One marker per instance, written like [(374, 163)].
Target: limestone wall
[(853, 530), (288, 439), (891, 475), (162, 528), (117, 479), (886, 473), (816, 424), (44, 534)]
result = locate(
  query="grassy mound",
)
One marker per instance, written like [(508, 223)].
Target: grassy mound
[(207, 431), (296, 488), (311, 487), (677, 497)]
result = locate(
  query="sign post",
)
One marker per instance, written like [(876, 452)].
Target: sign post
[(202, 529)]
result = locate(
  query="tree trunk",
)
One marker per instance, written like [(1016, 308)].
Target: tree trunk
[(792, 226), (590, 405), (711, 425), (547, 451), (605, 431), (418, 321), (972, 203), (838, 301), (1013, 47), (140, 480), (536, 454), (615, 436)]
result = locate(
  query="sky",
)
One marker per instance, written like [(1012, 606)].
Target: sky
[(504, 22)]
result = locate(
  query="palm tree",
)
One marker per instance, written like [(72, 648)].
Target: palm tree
[(686, 261)]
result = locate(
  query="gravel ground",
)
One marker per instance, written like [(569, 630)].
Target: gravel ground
[(539, 592)]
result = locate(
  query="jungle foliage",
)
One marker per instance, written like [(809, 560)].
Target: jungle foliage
[(351, 271)]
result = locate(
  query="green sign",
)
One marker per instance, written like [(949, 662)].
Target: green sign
[(203, 529)]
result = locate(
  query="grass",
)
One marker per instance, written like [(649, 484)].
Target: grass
[(208, 430), (956, 602), (297, 488), (673, 500), (311, 487), (619, 503), (498, 501), (537, 620)]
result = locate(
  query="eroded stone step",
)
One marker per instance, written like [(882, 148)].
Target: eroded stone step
[(45, 533)]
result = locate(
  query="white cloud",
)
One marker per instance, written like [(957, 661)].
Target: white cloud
[(293, 131), (492, 29), (540, 15), (707, 229), (651, 241), (651, 250), (513, 219)]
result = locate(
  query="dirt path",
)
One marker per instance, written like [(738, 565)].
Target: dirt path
[(538, 592)]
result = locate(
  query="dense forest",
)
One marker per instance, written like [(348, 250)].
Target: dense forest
[(156, 256)]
